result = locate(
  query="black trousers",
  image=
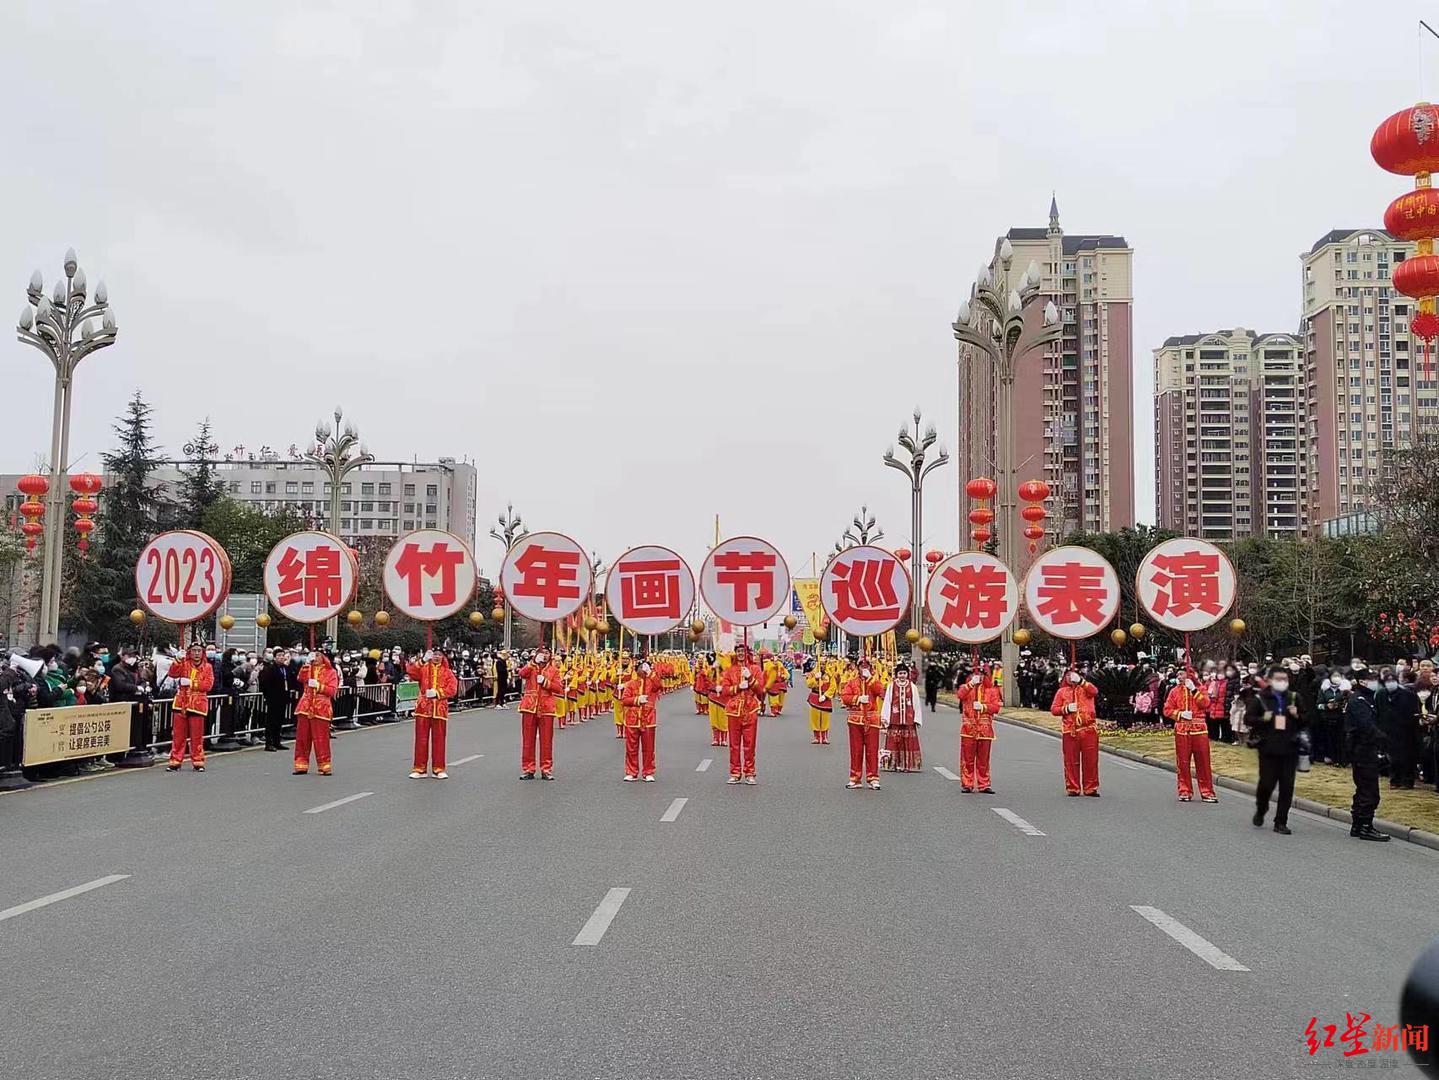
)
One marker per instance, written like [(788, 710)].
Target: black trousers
[(1274, 770), (931, 698), (275, 710), (1366, 793)]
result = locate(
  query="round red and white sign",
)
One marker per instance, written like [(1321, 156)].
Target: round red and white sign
[(971, 597), (865, 591), (429, 574), (1071, 592), (311, 576), (1186, 584), (182, 576), (745, 581), (650, 589), (547, 576)]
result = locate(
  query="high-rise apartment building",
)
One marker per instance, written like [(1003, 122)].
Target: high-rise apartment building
[(1364, 385), (1230, 453), (1073, 401)]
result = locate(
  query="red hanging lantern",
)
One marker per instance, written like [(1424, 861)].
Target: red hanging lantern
[(31, 529), (981, 515), (981, 535), (981, 487), (902, 554), (84, 506), (933, 557), (84, 526), (33, 485), (1034, 491), (1034, 532), (86, 483), (1034, 513), (1407, 143)]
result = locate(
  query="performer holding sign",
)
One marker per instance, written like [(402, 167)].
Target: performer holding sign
[(1074, 705), (432, 712), (319, 683), (639, 695), (742, 690), (862, 695), (979, 701), (194, 678), (542, 682)]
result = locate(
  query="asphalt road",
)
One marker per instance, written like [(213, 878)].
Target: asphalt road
[(791, 930)]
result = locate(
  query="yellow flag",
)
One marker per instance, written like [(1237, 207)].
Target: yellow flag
[(808, 591)]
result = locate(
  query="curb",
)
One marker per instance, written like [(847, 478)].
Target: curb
[(1318, 809)]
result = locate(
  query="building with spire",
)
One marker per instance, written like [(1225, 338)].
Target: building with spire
[(1073, 402)]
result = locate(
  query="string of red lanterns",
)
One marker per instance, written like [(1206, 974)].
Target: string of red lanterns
[(1408, 144), (85, 486), (981, 489), (34, 487), (1033, 493)]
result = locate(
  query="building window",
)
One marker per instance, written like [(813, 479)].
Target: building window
[(367, 508), (292, 487), (409, 489), (385, 489), (367, 489), (409, 508), (432, 491), (347, 506), (270, 487), (344, 489), (430, 508), (307, 487), (366, 524), (256, 487), (347, 524), (409, 525)]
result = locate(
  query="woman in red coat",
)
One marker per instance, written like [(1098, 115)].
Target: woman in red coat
[(542, 683), (194, 678), (319, 683), (432, 712)]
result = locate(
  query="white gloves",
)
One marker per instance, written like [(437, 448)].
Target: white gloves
[(239, 682), (540, 680), (313, 684), (863, 699), (979, 706), (644, 699), (431, 694), (1072, 707), (1186, 715), (183, 681)]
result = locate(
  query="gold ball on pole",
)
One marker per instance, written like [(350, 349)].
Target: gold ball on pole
[(698, 626), (591, 622), (1022, 637), (604, 626), (382, 618), (498, 614), (262, 620), (354, 618), (790, 622), (227, 622), (373, 654), (1118, 636), (1137, 631), (137, 616), (477, 619), (911, 635), (1237, 627), (925, 644), (821, 633)]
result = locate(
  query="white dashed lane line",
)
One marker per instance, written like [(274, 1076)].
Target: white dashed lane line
[(63, 894)]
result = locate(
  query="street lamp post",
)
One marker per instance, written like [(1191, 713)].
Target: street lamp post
[(62, 327), (915, 469), (509, 529), (860, 532), (1003, 338), (338, 453)]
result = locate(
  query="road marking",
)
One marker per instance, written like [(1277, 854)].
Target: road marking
[(1017, 821), (599, 922), (945, 773), (338, 802), (674, 810), (467, 760), (1209, 953), (705, 764), (63, 894)]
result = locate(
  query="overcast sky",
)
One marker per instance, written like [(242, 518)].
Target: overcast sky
[(647, 262)]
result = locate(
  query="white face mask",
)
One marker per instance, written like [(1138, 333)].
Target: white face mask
[(974, 680), (1371, 685), (1189, 684), (1075, 678), (1280, 685), (1391, 685), (130, 661)]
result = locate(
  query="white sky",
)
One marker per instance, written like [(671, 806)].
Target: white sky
[(648, 261)]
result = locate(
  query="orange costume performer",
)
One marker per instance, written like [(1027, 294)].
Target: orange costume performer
[(639, 696), (742, 691), (538, 705), (1188, 708), (979, 701), (862, 695), (432, 712), (1074, 705), (313, 713), (194, 677)]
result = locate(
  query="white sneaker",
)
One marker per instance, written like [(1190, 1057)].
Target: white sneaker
[(751, 781), (732, 780), (649, 779), (874, 784), (442, 775), (629, 779), (852, 784), (417, 775)]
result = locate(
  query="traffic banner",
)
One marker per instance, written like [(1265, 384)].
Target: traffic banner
[(971, 597), (546, 576), (1071, 592), (429, 574), (311, 576), (745, 580), (182, 576), (650, 589), (865, 590), (1186, 584)]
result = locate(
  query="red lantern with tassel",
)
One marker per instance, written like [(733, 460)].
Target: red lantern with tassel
[(981, 515), (980, 488), (85, 483), (34, 485), (981, 535), (932, 557), (84, 526), (1407, 143), (902, 554), (1033, 493)]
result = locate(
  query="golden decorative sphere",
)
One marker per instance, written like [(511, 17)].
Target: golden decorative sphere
[(137, 616), (911, 635), (382, 618), (1022, 637), (1118, 636), (227, 622), (925, 644), (477, 619), (373, 654), (591, 622), (821, 632), (354, 618), (698, 626), (1237, 627), (790, 622), (262, 620), (604, 626), (1137, 631), (498, 614)]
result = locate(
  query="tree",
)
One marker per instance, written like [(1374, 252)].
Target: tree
[(248, 534), (102, 590), (201, 486)]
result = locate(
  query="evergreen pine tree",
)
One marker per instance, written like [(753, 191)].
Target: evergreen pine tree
[(201, 486)]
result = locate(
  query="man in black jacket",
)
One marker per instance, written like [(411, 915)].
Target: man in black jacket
[(1397, 712), (1365, 741), (502, 678), (277, 683), (1273, 714)]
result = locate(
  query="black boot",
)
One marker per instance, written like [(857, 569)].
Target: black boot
[(1368, 832)]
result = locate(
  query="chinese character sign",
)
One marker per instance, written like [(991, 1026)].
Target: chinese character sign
[(650, 589), (547, 576), (182, 576), (972, 597), (1071, 592), (311, 576), (745, 581), (1186, 584), (865, 591), (429, 574)]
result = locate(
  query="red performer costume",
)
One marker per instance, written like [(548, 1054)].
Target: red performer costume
[(194, 677), (542, 683), (1188, 707), (432, 712), (638, 698), (313, 713), (862, 694), (742, 691), (979, 701), (1074, 705)]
